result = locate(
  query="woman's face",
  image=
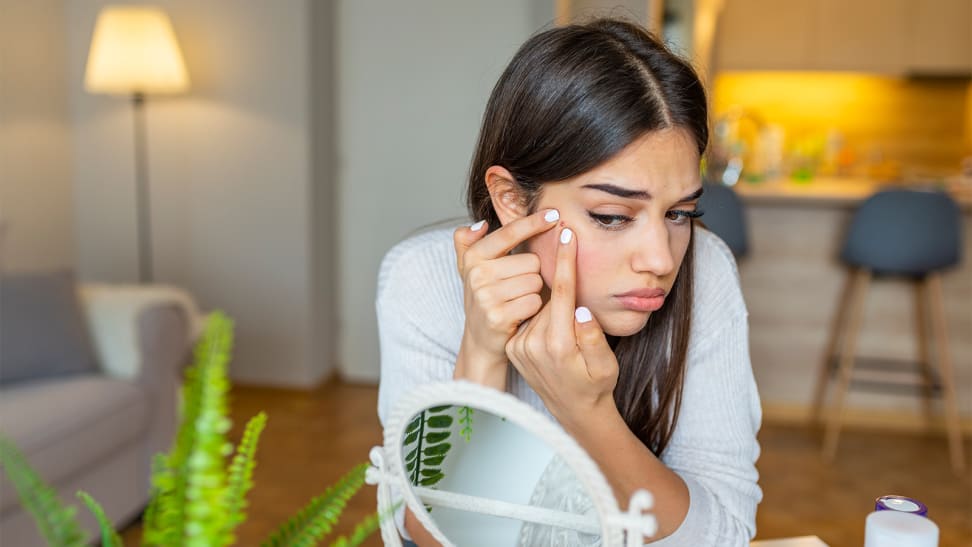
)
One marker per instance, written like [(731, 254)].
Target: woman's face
[(631, 219)]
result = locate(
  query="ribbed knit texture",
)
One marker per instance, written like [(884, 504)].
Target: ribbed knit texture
[(713, 448)]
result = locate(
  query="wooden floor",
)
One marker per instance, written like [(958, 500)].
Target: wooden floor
[(312, 438)]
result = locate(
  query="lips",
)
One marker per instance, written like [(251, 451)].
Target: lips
[(642, 300)]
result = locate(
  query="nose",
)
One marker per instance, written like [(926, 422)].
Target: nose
[(652, 252)]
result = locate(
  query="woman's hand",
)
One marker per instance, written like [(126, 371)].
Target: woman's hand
[(562, 351), (500, 292)]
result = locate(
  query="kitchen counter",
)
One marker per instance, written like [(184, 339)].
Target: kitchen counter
[(830, 191)]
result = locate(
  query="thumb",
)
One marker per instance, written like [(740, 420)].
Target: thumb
[(465, 236), (593, 345)]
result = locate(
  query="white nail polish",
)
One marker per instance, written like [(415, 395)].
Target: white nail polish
[(552, 215), (478, 226), (582, 314), (566, 236)]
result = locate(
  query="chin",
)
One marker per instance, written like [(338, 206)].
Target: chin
[(625, 323)]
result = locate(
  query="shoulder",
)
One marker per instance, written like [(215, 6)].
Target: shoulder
[(716, 293), (418, 259)]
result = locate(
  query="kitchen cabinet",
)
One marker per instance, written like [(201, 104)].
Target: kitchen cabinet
[(926, 37), (940, 37)]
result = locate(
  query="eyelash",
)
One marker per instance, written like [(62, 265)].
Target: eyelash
[(680, 217)]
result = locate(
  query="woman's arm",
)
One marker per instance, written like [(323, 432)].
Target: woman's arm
[(628, 466)]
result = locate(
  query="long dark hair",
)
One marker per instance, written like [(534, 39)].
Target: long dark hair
[(572, 98)]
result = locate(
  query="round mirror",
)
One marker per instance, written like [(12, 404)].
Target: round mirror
[(479, 467)]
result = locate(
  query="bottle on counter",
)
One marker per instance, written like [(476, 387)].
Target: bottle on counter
[(899, 521)]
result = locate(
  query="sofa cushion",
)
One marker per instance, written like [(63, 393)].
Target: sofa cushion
[(63, 426), (42, 328)]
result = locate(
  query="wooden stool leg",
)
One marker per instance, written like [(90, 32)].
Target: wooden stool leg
[(861, 280), (944, 361), (924, 351), (833, 346)]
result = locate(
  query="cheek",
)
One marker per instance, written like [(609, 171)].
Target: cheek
[(589, 258)]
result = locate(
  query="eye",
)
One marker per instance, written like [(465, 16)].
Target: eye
[(610, 222), (679, 217)]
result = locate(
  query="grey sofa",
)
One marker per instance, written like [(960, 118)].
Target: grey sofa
[(98, 431)]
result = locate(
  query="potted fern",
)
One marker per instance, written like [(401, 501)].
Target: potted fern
[(199, 488)]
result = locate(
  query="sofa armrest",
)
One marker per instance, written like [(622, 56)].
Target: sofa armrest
[(130, 331)]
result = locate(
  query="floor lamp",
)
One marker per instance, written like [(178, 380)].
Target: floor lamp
[(134, 52)]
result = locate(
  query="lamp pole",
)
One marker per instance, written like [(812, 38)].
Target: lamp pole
[(142, 206)]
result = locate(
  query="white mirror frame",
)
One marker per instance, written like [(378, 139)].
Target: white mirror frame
[(388, 471)]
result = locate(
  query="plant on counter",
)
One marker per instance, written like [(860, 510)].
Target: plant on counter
[(198, 498)]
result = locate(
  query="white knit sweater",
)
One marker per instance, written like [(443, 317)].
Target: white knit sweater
[(713, 448)]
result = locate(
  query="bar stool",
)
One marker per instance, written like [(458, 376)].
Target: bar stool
[(724, 216), (900, 233)]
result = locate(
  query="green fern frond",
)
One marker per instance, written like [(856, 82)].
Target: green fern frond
[(206, 517), (150, 518), (240, 479), (318, 517), (55, 521), (465, 418), (366, 527), (189, 483), (109, 537)]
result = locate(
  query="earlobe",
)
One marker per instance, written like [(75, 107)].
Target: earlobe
[(507, 200)]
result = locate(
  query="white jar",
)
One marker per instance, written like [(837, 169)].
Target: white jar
[(897, 529)]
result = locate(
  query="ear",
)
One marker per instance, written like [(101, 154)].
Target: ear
[(507, 200)]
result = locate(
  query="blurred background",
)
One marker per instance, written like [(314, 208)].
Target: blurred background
[(310, 136)]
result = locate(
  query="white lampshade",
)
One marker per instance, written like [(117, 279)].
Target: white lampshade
[(134, 50)]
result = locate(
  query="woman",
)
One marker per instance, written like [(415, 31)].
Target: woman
[(584, 288)]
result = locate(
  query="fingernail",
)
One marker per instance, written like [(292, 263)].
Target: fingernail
[(478, 226), (552, 215), (583, 314), (566, 235)]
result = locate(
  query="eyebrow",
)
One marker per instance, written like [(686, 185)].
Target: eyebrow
[(638, 194)]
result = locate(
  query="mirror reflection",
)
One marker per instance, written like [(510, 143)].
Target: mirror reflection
[(468, 466)]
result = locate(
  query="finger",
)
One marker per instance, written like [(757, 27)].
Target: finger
[(465, 236), (593, 345), (563, 288), (505, 239), (510, 289), (490, 271), (523, 309)]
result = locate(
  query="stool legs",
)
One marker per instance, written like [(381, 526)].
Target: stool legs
[(833, 346), (933, 284), (924, 350), (861, 280)]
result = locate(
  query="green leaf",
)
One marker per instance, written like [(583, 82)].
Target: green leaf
[(437, 450), (109, 538), (439, 422), (414, 425), (55, 521), (366, 527), (433, 462), (431, 481), (436, 437), (318, 517), (430, 472), (411, 438), (410, 466), (240, 475), (411, 455), (437, 409)]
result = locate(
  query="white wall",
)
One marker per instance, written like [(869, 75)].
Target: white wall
[(413, 80), (35, 182), (230, 173)]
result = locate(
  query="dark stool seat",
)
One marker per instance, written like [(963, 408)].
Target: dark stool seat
[(725, 217), (901, 233)]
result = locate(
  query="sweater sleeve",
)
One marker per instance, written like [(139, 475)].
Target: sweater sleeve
[(420, 317), (419, 323), (714, 447)]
